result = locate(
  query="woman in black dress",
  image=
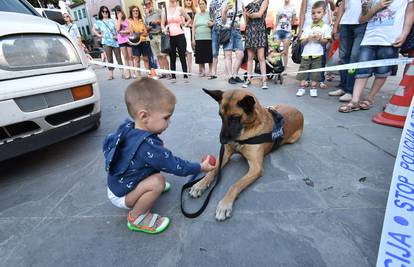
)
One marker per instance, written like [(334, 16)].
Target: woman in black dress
[(256, 38)]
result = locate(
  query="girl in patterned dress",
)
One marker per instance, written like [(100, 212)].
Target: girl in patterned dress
[(256, 38)]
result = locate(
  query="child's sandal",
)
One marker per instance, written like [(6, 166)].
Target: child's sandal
[(151, 228)]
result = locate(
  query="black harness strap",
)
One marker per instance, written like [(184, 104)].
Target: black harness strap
[(275, 137)]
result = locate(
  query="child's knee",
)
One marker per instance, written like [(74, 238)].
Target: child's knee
[(158, 182)]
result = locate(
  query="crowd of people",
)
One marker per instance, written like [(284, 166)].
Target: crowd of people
[(367, 30)]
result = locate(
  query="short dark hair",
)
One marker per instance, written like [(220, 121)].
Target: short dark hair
[(319, 4), (102, 8), (147, 93)]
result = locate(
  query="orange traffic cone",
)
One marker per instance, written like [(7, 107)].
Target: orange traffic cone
[(396, 110), (154, 74)]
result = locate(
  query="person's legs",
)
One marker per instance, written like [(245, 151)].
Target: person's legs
[(124, 51), (108, 53), (345, 47), (286, 43), (361, 77), (358, 32), (181, 52), (228, 62), (237, 62), (262, 62), (130, 60), (173, 54), (117, 52), (143, 197), (215, 46)]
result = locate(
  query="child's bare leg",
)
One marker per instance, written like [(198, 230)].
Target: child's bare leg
[(303, 83), (313, 84), (143, 197)]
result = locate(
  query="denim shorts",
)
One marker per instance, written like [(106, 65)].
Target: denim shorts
[(235, 43), (215, 41), (282, 35), (143, 49), (375, 52)]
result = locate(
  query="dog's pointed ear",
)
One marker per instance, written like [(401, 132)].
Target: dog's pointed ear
[(247, 104), (215, 94)]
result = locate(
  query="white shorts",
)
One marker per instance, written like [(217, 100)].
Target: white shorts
[(117, 201), (187, 34)]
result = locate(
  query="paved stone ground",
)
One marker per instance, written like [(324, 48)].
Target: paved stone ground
[(320, 202)]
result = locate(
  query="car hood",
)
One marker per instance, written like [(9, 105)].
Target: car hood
[(15, 23)]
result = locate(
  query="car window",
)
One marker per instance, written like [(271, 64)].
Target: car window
[(54, 15), (16, 6)]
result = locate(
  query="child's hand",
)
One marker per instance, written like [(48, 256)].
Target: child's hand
[(206, 166)]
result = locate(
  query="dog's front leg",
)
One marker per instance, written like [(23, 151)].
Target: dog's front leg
[(225, 206), (199, 188)]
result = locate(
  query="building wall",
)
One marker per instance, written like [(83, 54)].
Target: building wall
[(94, 5), (82, 20)]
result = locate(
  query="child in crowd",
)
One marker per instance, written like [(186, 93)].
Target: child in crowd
[(135, 155), (314, 37), (389, 23)]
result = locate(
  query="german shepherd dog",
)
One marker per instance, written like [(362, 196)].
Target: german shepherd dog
[(243, 117)]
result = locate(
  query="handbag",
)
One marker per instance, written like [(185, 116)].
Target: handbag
[(134, 39), (225, 33), (296, 50), (165, 39)]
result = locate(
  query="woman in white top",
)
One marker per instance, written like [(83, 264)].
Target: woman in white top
[(72, 29)]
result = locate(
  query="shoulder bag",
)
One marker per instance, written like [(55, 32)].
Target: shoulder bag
[(225, 33), (165, 38)]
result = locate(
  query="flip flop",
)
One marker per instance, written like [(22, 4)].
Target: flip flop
[(134, 225)]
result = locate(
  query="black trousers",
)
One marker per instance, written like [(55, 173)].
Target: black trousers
[(178, 43)]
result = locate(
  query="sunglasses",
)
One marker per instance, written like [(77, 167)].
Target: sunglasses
[(105, 11), (135, 10)]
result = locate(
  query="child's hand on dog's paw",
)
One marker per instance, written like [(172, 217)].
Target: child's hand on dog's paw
[(208, 163)]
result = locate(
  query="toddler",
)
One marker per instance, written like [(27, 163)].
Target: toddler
[(135, 155), (314, 37)]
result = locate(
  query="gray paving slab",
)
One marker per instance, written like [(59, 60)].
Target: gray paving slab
[(320, 202)]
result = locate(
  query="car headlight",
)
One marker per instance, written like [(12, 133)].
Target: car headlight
[(31, 51)]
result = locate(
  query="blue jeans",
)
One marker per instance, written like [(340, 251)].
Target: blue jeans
[(375, 52), (215, 41), (235, 43), (350, 41)]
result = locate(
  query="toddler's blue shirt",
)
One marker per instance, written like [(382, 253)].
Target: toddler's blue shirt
[(133, 154)]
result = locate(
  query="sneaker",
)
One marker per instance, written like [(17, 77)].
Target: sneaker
[(338, 92), (264, 86), (246, 84), (313, 92), (238, 80), (301, 92), (232, 81), (346, 98)]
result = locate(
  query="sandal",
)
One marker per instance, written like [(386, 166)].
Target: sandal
[(151, 228), (365, 104), (167, 187), (212, 77), (349, 107)]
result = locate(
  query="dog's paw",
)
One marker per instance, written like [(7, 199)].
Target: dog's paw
[(198, 189), (223, 210)]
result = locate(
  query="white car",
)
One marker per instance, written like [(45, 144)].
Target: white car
[(47, 90)]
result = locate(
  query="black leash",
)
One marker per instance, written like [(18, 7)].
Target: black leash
[(275, 137)]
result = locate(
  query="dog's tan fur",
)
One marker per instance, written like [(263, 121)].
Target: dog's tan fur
[(259, 122)]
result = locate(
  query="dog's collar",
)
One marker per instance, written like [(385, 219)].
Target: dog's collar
[(275, 136)]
